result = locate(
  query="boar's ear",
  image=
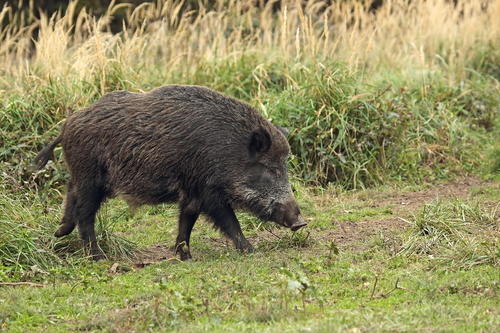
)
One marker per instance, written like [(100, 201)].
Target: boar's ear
[(283, 130), (260, 141)]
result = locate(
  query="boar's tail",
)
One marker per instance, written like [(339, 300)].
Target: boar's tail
[(46, 154)]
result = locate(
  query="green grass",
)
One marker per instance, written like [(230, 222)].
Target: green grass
[(213, 296), (428, 276), (343, 128)]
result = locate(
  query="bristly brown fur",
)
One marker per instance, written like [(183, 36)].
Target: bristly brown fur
[(185, 144)]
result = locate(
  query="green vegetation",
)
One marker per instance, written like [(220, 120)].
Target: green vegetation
[(439, 274), (385, 112)]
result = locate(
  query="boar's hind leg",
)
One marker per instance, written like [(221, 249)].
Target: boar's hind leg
[(225, 219), (68, 221), (87, 204), (188, 215)]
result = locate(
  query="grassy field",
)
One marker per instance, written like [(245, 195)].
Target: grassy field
[(389, 259), (394, 127)]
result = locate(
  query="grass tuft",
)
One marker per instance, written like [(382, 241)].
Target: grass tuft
[(27, 244), (455, 233)]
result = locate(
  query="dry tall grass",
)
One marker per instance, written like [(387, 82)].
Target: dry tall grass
[(160, 39)]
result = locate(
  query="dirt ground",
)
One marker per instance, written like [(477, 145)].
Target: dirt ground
[(404, 205)]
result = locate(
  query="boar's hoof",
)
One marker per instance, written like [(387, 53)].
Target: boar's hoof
[(185, 256), (183, 250), (246, 248), (298, 225), (94, 252), (98, 256)]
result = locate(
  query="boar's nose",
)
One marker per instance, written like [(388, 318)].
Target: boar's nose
[(292, 218), (299, 224)]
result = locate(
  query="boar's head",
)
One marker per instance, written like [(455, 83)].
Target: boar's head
[(264, 188)]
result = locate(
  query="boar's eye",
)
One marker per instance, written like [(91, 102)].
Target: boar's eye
[(260, 174), (275, 171)]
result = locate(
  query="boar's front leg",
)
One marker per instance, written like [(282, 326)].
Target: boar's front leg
[(188, 215), (225, 219)]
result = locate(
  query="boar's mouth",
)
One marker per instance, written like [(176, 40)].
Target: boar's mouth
[(299, 224)]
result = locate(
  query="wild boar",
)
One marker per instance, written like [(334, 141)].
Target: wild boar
[(188, 144)]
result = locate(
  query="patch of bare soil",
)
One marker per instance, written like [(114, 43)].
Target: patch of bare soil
[(358, 235), (410, 201), (355, 235), (153, 254), (143, 257)]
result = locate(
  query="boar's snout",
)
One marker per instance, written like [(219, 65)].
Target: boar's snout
[(299, 224), (288, 215)]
